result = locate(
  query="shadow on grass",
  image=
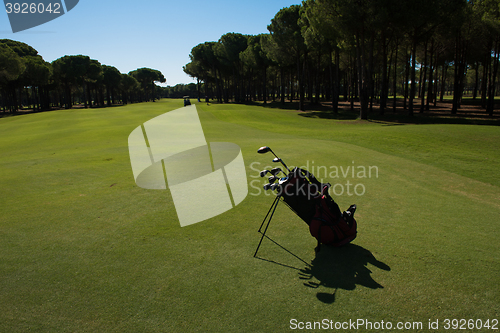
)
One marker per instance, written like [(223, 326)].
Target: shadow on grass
[(74, 108), (276, 105), (312, 110), (279, 263), (335, 267), (401, 119), (344, 267), (342, 114), (440, 114), (395, 119)]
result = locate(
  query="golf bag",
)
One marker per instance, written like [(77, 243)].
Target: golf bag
[(310, 200)]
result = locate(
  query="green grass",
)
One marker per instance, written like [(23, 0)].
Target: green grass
[(83, 249)]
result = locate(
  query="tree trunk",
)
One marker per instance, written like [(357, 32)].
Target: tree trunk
[(395, 77), (422, 102), (265, 85), (444, 71), (68, 101), (198, 88), (407, 79), (491, 88), (316, 79), (108, 95), (89, 98), (332, 87), (413, 78), (282, 93), (430, 94), (370, 76), (458, 85), (362, 76), (385, 86), (476, 82), (484, 85), (35, 98), (456, 79), (301, 83)]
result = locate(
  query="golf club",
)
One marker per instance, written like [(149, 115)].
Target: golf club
[(272, 179), (264, 172), (282, 180), (267, 186), (275, 171), (265, 149)]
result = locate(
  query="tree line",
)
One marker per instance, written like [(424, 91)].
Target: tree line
[(370, 51), (28, 80), (179, 91)]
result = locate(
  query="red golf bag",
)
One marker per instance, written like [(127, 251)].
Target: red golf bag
[(310, 200)]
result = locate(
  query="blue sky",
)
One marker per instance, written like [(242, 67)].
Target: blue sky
[(146, 33)]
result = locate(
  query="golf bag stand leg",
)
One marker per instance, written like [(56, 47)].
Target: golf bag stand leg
[(271, 210)]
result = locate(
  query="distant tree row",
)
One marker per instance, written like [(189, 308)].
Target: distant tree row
[(365, 50), (27, 81), (180, 90)]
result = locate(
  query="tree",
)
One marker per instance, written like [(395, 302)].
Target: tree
[(111, 78), (491, 20), (194, 70), (206, 65), (20, 48), (255, 59), (129, 86), (11, 67), (33, 75), (228, 52), (37, 76), (26, 79), (356, 19), (286, 33), (75, 71), (280, 58), (147, 78), (320, 32)]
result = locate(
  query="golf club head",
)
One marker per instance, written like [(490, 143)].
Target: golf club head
[(274, 186), (275, 171), (267, 186), (282, 180), (276, 160), (272, 179), (263, 150), (264, 172)]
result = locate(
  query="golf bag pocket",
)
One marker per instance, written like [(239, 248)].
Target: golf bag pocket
[(331, 228)]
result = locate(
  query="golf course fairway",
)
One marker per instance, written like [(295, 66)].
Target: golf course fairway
[(84, 249)]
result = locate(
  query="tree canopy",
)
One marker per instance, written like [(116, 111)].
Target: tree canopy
[(28, 80), (365, 50)]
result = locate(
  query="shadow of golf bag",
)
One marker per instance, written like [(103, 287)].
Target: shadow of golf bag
[(310, 200)]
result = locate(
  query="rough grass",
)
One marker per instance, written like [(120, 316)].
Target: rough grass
[(83, 249)]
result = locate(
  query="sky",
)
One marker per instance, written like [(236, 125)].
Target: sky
[(158, 34)]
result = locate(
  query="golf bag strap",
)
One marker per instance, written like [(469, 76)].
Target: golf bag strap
[(325, 188)]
